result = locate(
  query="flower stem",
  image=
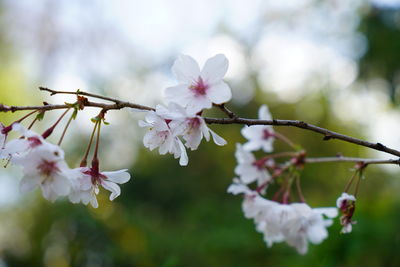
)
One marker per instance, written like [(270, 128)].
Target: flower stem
[(84, 160), (65, 129), (26, 116), (49, 131), (299, 191), (285, 140), (346, 189), (95, 160)]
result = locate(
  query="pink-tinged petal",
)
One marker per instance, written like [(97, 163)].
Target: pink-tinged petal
[(243, 156), (180, 94), (177, 127), (93, 202), (119, 177), (218, 140), (219, 93), (263, 113), (61, 185), (197, 104), (186, 69), (144, 124), (253, 132), (184, 160), (112, 187), (173, 112), (75, 197), (215, 69), (193, 139), (28, 183), (86, 196), (19, 128), (205, 130), (47, 192), (166, 146)]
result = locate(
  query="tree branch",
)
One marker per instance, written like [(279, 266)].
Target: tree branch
[(355, 160), (233, 119)]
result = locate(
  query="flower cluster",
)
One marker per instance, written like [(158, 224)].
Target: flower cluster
[(44, 167), (181, 119), (295, 223)]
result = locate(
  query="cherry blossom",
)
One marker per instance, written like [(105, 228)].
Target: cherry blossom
[(3, 138), (259, 136), (86, 182), (347, 204), (198, 90), (307, 225), (296, 223), (193, 127), (161, 135), (21, 146), (249, 169), (44, 167)]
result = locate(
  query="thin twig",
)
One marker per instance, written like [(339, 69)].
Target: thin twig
[(54, 92), (285, 140), (226, 111)]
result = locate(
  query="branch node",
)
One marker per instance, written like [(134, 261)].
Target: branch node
[(4, 108), (379, 146)]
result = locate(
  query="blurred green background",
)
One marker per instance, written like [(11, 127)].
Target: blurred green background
[(332, 63)]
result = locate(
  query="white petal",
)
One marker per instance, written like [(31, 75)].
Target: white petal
[(180, 94), (193, 139), (61, 185), (218, 139), (197, 104), (215, 69), (184, 160), (186, 69), (112, 187), (93, 202), (74, 197), (263, 113), (328, 212), (219, 93), (28, 184), (120, 177)]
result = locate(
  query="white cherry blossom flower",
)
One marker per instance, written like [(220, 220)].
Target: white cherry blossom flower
[(44, 167), (3, 138), (193, 127), (347, 204), (24, 145), (259, 136), (86, 182), (161, 135), (296, 223), (198, 90), (308, 225), (248, 168)]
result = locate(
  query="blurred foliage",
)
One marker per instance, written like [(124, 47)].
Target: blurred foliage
[(381, 27), (169, 215)]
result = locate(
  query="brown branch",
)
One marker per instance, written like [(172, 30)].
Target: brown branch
[(303, 125), (233, 119), (355, 160)]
